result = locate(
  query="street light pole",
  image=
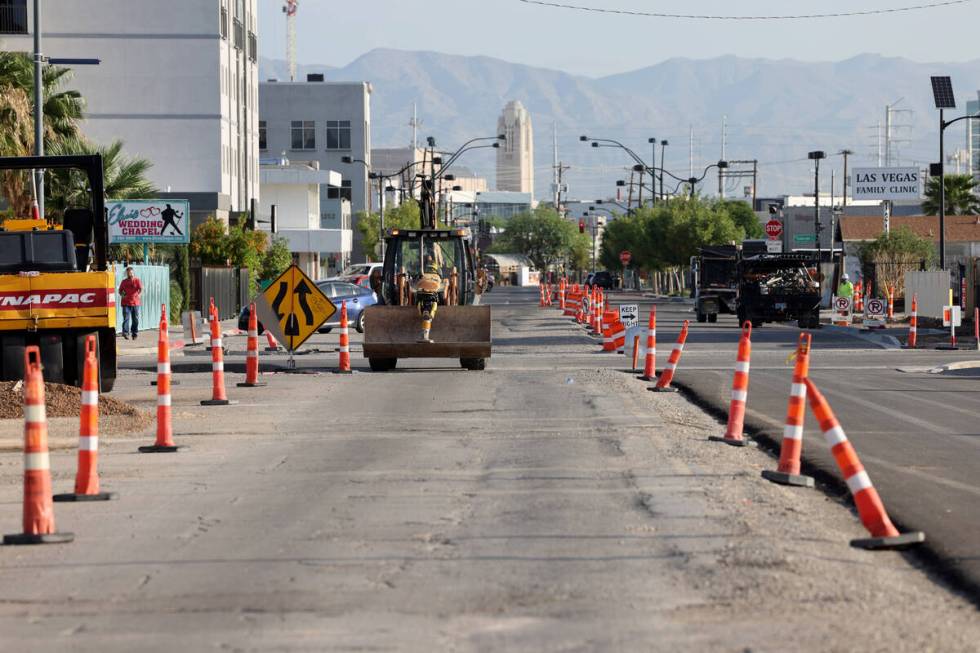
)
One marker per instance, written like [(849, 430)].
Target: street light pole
[(653, 178), (38, 107), (942, 191), (815, 156)]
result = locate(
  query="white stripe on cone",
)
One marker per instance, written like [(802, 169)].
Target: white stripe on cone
[(90, 398), (793, 432), (163, 368), (218, 366), (740, 395), (163, 400), (88, 443), (36, 461), (858, 482), (742, 366), (835, 436), (35, 413)]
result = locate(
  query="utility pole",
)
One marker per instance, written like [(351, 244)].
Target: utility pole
[(38, 107), (629, 195), (846, 153), (663, 149), (556, 172), (755, 179), (639, 199), (724, 138), (690, 152)]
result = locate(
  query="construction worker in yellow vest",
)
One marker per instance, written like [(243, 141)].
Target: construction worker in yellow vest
[(846, 288)]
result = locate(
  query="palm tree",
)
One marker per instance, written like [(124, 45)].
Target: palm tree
[(961, 198), (124, 178), (62, 112)]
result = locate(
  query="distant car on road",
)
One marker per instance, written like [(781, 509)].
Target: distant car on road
[(357, 297), (603, 279), (358, 274)]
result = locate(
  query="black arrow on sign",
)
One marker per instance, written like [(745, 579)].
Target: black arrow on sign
[(280, 296), (303, 290)]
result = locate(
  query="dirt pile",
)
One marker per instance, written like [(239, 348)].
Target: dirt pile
[(60, 401)]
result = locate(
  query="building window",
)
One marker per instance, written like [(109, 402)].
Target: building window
[(327, 219), (263, 145), (338, 134), (253, 47), (223, 22), (342, 193), (239, 34), (303, 135), (13, 16)]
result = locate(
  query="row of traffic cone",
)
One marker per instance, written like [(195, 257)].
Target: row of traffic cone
[(870, 508)]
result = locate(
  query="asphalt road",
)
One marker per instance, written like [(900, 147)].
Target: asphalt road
[(549, 503), (918, 434)]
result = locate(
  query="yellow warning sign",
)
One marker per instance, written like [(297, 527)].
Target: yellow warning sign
[(293, 308)]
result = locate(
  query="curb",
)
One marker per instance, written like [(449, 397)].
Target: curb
[(959, 365)]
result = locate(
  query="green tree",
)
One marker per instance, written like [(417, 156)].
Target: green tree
[(208, 242), (961, 197), (742, 214), (895, 253), (277, 258), (404, 216), (580, 252), (541, 235)]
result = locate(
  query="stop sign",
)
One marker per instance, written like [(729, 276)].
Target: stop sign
[(774, 229), (625, 257)]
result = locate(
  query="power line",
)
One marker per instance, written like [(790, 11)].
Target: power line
[(839, 14)]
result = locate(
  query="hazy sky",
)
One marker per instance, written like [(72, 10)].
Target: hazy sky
[(335, 32)]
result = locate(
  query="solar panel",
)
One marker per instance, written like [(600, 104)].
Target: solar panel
[(942, 91)]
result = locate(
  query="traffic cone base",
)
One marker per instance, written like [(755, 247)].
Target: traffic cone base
[(732, 442), (161, 448), (218, 402), (172, 382), (101, 496), (902, 541), (783, 478), (659, 389), (257, 384), (343, 372), (27, 538)]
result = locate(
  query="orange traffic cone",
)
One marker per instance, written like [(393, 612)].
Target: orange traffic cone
[(344, 366), (165, 432), (271, 344), (913, 323), (740, 393), (39, 525), (218, 396), (788, 472), (87, 476), (650, 362), (163, 327), (252, 352), (667, 375), (871, 510)]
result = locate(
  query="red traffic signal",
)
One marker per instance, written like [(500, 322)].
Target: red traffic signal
[(581, 226)]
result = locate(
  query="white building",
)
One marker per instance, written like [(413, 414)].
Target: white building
[(324, 122), (973, 138), (294, 189), (177, 82), (515, 158)]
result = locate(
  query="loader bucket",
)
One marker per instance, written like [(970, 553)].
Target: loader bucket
[(457, 332)]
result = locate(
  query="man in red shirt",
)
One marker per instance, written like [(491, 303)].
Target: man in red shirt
[(130, 290)]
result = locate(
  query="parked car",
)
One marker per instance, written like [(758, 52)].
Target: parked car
[(357, 297), (603, 279), (358, 274)]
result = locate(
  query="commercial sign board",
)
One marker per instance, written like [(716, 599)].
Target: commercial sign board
[(149, 221), (886, 184)]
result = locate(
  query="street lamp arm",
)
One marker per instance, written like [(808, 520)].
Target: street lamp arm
[(947, 123), (444, 167)]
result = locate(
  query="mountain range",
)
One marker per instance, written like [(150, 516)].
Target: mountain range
[(773, 111)]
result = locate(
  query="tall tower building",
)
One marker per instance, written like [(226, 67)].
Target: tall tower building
[(973, 138), (515, 158)]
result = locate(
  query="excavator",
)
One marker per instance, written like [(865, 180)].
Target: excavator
[(430, 295), (56, 286)]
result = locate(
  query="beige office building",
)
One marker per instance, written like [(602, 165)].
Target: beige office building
[(515, 158)]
